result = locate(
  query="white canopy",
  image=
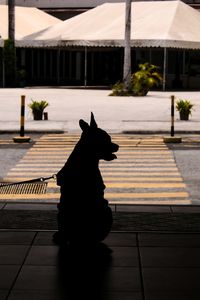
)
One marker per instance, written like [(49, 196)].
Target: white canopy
[(27, 21), (154, 24)]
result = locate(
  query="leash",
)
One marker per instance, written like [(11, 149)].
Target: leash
[(40, 179)]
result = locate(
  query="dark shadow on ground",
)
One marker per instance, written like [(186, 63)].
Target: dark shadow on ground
[(83, 271)]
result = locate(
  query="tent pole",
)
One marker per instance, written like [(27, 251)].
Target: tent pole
[(58, 66), (3, 70), (85, 71), (164, 68), (127, 47)]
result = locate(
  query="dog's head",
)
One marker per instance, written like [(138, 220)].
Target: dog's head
[(97, 141)]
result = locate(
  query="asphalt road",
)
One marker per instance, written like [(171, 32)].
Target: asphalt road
[(11, 153), (188, 161)]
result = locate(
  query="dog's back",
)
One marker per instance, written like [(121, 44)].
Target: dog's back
[(82, 187)]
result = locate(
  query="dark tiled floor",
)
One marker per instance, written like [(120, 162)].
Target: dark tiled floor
[(140, 266)]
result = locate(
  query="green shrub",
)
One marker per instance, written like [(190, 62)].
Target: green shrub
[(145, 78), (141, 81), (38, 106), (118, 90)]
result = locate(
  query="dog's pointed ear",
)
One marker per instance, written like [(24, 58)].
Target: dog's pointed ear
[(83, 125), (93, 123)]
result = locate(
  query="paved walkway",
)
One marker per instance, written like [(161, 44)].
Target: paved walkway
[(148, 114), (130, 265), (159, 263)]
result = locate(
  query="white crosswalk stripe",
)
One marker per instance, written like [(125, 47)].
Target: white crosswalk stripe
[(144, 173)]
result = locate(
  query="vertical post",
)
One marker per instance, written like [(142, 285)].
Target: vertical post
[(127, 47), (22, 115), (11, 78), (172, 138), (3, 70), (85, 71), (22, 138), (58, 66), (11, 20), (32, 65), (164, 68), (172, 115)]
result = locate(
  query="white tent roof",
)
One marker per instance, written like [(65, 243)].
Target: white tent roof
[(154, 24), (27, 21)]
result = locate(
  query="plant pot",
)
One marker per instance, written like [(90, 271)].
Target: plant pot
[(37, 115), (184, 116), (140, 93)]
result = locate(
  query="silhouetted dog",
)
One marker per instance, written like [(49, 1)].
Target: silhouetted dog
[(83, 213)]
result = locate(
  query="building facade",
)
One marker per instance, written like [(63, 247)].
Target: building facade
[(73, 66)]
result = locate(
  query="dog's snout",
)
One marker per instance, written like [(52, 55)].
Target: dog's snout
[(115, 147)]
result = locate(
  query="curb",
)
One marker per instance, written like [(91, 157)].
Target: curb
[(59, 131), (160, 132), (34, 131)]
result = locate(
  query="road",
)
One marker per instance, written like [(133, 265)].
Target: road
[(188, 161), (146, 171)]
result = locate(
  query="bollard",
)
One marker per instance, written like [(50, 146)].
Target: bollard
[(22, 138), (22, 115), (172, 139), (172, 115)]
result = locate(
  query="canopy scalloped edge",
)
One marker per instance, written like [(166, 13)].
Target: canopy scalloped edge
[(107, 43)]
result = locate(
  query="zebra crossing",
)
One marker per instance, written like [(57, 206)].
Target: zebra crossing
[(144, 173)]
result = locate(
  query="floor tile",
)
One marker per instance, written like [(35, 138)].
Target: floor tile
[(143, 208), (46, 278), (44, 238), (7, 275), (42, 255), (37, 278), (191, 295), (167, 239), (122, 279), (48, 255), (170, 257), (121, 239), (122, 296), (51, 295), (12, 254), (16, 237), (186, 209), (125, 256), (171, 279), (29, 206), (34, 295), (2, 205), (3, 294), (113, 239)]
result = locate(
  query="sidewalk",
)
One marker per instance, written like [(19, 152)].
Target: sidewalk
[(150, 114), (154, 264)]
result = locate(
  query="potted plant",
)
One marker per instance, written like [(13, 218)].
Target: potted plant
[(145, 78), (185, 108), (37, 108)]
